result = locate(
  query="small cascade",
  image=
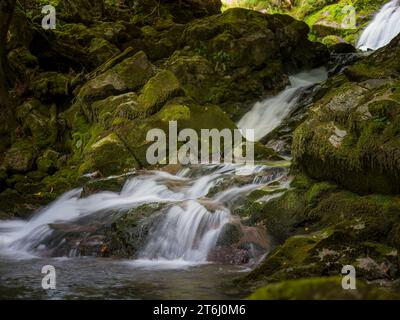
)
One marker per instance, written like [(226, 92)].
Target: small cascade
[(267, 115), (383, 28), (187, 233)]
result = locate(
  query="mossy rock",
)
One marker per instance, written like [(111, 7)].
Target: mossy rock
[(231, 234), (158, 90), (321, 228), (39, 121), (48, 86), (351, 136), (48, 161), (112, 184), (129, 75), (188, 115), (20, 157), (101, 156), (21, 59), (324, 288), (331, 18)]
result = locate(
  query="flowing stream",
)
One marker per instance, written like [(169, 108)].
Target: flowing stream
[(383, 28), (267, 115), (189, 210)]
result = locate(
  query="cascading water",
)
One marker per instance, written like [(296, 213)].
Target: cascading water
[(195, 213), (267, 115), (383, 28), (188, 231)]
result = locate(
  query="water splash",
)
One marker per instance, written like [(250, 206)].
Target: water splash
[(267, 115), (383, 28)]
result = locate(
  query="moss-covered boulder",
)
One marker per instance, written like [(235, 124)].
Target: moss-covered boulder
[(49, 86), (108, 156), (188, 114), (352, 136), (335, 18), (324, 288), (40, 122), (129, 75), (20, 157)]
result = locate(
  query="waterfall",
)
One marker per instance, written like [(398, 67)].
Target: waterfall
[(267, 115), (383, 28), (186, 233)]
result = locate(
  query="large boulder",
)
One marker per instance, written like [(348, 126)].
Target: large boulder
[(129, 75), (107, 156), (351, 136)]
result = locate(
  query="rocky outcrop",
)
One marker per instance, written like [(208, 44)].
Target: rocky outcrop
[(351, 136), (318, 228)]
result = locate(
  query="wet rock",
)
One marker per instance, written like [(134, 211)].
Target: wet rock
[(112, 184), (238, 244), (319, 228)]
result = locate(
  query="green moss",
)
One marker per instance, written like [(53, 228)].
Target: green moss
[(327, 288), (130, 74), (321, 228), (157, 91), (100, 156), (20, 157), (50, 85), (48, 161), (351, 136), (174, 112)]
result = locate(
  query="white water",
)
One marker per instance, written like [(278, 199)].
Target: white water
[(383, 28), (267, 115), (185, 236), (189, 233)]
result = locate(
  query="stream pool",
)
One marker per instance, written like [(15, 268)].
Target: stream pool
[(102, 278)]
